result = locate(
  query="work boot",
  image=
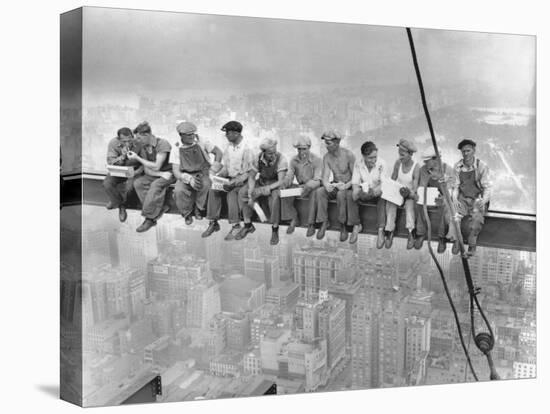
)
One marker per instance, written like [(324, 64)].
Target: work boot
[(410, 240), (389, 239), (321, 232), (233, 232), (419, 242), (146, 225), (213, 226), (355, 233), (442, 245), (291, 227), (122, 214), (110, 206), (380, 239), (471, 250), (243, 232), (343, 233), (274, 236), (188, 219), (456, 248), (310, 230)]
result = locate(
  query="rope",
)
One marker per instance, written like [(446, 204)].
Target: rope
[(484, 341)]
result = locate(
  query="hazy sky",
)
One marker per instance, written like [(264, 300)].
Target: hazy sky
[(159, 53)]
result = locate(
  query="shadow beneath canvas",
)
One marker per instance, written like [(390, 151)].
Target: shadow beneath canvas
[(49, 389)]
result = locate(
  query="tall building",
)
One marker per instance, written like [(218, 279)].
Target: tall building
[(238, 331), (493, 266), (136, 249), (332, 328), (241, 294), (417, 346), (203, 302)]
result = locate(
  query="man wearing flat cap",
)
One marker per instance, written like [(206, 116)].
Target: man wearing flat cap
[(236, 160), (406, 173), (271, 167), (340, 162), (152, 185), (432, 175), (191, 166), (472, 191), (307, 169)]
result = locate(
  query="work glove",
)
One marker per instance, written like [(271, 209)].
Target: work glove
[(405, 192)]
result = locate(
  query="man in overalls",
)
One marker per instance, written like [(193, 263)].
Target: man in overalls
[(271, 166), (472, 192), (152, 185), (117, 188), (307, 168), (431, 175), (191, 165)]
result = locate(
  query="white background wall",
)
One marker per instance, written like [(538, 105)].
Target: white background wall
[(29, 284)]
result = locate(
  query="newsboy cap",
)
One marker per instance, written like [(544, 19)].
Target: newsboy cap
[(232, 126), (330, 135), (407, 145), (429, 153), (185, 127), (465, 142), (302, 141), (268, 143)]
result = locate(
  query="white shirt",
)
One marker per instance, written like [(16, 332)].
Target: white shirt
[(373, 178)]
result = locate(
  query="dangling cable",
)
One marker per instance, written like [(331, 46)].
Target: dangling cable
[(484, 341)]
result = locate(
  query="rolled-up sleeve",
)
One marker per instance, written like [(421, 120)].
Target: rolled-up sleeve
[(283, 164), (317, 168), (356, 176)]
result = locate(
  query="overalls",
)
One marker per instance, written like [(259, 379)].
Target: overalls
[(268, 175), (193, 161), (469, 191)]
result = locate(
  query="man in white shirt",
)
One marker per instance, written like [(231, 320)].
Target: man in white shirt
[(366, 184), (191, 165)]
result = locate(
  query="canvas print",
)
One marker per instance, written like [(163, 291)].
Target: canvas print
[(256, 206)]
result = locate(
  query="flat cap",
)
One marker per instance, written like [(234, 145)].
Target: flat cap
[(185, 127), (330, 135), (465, 142), (268, 143), (232, 126), (407, 145), (302, 141), (429, 153)]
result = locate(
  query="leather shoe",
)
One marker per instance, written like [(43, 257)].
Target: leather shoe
[(343, 233), (274, 236), (471, 250), (243, 232), (410, 240), (122, 214), (188, 219), (442, 245), (212, 227), (291, 227), (310, 230), (233, 232), (456, 248), (146, 225), (419, 242), (321, 232), (389, 239), (380, 239), (355, 234)]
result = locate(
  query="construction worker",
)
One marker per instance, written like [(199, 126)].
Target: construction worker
[(406, 172), (117, 188), (236, 160), (151, 186), (432, 175), (472, 191), (366, 181), (307, 169), (191, 166), (340, 162), (271, 167)]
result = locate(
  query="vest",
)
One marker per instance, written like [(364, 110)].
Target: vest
[(268, 173)]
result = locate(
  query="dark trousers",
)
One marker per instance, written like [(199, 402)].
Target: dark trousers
[(117, 189), (468, 207), (152, 193), (323, 198), (187, 198), (422, 226), (273, 202), (234, 207), (353, 209), (288, 206)]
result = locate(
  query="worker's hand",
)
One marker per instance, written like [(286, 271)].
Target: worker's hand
[(196, 182), (132, 155), (167, 175), (479, 204), (355, 194), (229, 186), (376, 191), (405, 192), (216, 167), (330, 188), (340, 186)]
